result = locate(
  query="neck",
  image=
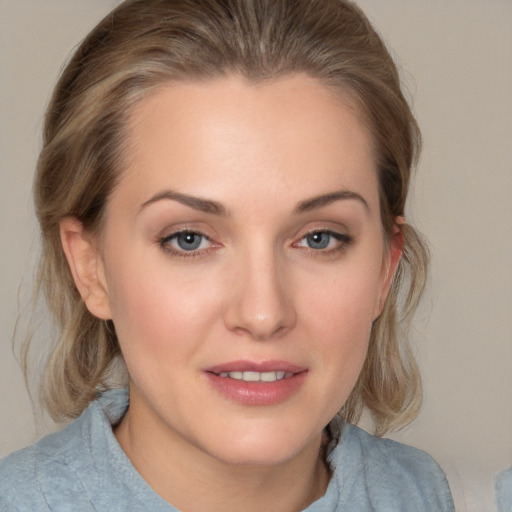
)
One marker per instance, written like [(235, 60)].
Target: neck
[(192, 481)]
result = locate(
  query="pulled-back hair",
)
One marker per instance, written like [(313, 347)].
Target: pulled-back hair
[(143, 44)]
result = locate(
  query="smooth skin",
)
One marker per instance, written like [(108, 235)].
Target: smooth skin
[(246, 227)]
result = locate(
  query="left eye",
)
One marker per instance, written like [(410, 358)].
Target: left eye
[(320, 240), (186, 241)]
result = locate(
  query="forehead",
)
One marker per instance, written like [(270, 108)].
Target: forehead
[(291, 134)]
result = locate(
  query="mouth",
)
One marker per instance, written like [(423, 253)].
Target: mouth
[(256, 376), (251, 383)]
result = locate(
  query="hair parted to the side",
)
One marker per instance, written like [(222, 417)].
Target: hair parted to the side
[(143, 44)]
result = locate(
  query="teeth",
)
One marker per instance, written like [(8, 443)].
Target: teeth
[(256, 376)]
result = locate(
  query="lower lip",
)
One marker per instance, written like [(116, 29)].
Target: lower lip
[(257, 393)]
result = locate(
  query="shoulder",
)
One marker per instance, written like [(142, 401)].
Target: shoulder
[(394, 456), (17, 476), (393, 476), (25, 474), (55, 467)]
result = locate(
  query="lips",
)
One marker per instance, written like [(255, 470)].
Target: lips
[(257, 376), (257, 383), (253, 366)]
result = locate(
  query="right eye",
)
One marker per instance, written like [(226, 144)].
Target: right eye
[(185, 243)]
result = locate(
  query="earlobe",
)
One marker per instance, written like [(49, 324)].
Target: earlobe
[(86, 265), (390, 264)]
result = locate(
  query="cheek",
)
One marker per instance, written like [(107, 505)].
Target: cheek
[(155, 312), (347, 300), (340, 318), (346, 327)]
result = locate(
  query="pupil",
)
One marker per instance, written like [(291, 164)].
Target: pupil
[(318, 240), (189, 241)]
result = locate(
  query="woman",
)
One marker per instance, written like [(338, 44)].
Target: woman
[(221, 196)]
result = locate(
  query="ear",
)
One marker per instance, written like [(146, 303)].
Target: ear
[(86, 265), (390, 263)]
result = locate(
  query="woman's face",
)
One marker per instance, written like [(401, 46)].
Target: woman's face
[(243, 264)]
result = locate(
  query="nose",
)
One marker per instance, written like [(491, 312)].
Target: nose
[(261, 304)]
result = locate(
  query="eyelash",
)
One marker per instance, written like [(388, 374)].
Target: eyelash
[(344, 241), (165, 244)]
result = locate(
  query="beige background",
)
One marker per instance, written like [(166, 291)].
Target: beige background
[(457, 61)]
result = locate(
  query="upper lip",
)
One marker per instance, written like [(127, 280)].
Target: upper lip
[(256, 366)]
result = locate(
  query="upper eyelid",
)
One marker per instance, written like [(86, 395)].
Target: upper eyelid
[(325, 229), (342, 241), (164, 240), (185, 230), (299, 236), (172, 231), (331, 232), (335, 227)]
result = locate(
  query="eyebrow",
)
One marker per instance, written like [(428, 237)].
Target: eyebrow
[(215, 208), (326, 199), (197, 203)]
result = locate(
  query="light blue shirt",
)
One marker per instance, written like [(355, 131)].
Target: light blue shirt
[(83, 468), (504, 491)]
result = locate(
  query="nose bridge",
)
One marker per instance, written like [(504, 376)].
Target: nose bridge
[(261, 304)]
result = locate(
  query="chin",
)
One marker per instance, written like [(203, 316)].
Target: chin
[(264, 447)]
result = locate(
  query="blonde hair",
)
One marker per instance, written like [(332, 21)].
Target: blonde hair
[(144, 43)]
